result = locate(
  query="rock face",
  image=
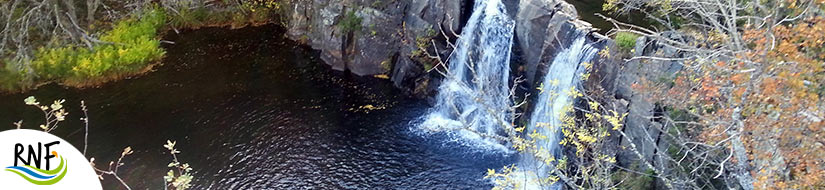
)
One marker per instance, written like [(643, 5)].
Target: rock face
[(424, 19), (383, 40), (390, 30), (373, 51), (314, 22), (537, 24), (644, 131), (362, 50), (440, 14)]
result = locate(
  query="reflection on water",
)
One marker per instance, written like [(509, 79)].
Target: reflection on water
[(251, 110)]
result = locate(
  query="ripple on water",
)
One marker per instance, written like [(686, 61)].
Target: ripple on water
[(253, 115)]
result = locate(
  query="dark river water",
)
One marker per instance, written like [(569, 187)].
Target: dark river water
[(250, 109)]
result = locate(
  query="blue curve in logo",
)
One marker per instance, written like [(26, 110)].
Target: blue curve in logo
[(34, 176), (31, 173)]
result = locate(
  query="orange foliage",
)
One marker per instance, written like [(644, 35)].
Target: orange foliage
[(786, 104), (779, 90)]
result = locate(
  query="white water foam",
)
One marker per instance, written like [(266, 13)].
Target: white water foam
[(560, 78), (474, 94)]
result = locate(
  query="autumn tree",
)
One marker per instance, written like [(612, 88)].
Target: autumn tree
[(751, 89)]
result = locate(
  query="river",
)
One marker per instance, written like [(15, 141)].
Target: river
[(250, 109)]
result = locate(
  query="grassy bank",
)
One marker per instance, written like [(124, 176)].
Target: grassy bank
[(128, 47)]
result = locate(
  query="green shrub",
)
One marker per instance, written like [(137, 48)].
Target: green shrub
[(239, 19), (261, 15), (257, 5), (133, 46), (133, 28), (428, 66), (220, 17), (634, 181), (56, 63), (95, 64), (188, 17), (11, 78), (258, 11), (350, 23), (626, 40), (129, 46)]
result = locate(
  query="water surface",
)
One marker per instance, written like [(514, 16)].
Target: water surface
[(252, 110)]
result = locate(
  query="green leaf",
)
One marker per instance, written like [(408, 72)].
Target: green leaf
[(169, 176), (58, 104), (31, 101)]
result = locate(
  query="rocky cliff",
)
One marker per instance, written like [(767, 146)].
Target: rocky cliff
[(374, 37), (644, 129), (543, 28), (389, 32)]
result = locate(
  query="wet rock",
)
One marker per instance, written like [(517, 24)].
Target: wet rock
[(375, 44), (405, 73), (314, 21), (366, 51), (537, 23), (386, 40)]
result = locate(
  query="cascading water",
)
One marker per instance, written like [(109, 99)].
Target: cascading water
[(475, 90), (550, 106)]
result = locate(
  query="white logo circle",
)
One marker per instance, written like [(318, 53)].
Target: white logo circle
[(32, 159)]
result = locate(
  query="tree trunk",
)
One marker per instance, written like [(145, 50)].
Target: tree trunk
[(743, 174), (91, 8), (70, 9), (65, 17)]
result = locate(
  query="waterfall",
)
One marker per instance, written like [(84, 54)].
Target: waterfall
[(562, 76), (473, 100), (474, 94)]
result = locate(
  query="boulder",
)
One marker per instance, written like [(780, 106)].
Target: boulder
[(405, 73), (386, 40), (537, 25), (442, 14), (314, 21), (376, 44), (367, 51)]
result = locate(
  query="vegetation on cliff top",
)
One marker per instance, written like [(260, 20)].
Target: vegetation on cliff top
[(626, 40)]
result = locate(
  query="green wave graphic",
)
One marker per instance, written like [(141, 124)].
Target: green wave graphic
[(62, 166), (48, 172)]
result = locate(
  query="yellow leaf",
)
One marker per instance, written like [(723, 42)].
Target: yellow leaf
[(381, 76)]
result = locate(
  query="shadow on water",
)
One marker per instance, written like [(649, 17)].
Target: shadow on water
[(253, 110)]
